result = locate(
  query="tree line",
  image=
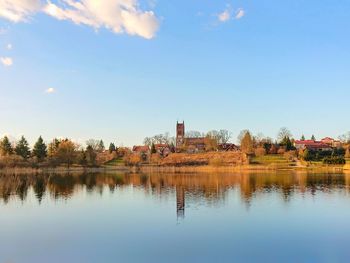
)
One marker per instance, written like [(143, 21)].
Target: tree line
[(57, 152)]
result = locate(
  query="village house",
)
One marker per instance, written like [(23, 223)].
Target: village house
[(162, 149), (228, 147), (332, 142), (141, 149), (312, 145)]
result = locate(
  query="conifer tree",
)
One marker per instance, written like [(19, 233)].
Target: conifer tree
[(303, 138), (313, 138), (153, 148), (101, 146), (40, 149), (5, 146), (22, 148), (111, 147)]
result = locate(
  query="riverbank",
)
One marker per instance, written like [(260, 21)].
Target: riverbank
[(58, 170), (148, 168)]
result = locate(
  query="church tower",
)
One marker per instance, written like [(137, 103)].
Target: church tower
[(180, 134)]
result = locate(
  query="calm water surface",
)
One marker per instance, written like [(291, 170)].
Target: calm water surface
[(284, 217)]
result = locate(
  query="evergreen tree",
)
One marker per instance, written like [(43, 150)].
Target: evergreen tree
[(287, 143), (153, 148), (302, 138), (5, 146), (306, 155), (90, 155), (40, 149), (22, 148), (101, 146), (112, 147), (313, 138)]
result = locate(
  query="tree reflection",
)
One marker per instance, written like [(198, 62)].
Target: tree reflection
[(212, 188)]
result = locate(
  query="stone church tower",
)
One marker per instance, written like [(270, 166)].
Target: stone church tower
[(180, 134)]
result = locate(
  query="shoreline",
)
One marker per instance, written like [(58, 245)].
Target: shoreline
[(177, 169)]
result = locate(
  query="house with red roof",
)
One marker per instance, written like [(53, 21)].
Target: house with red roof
[(312, 145)]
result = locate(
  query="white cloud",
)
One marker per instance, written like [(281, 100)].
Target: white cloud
[(50, 90), (6, 61), (18, 10), (118, 16), (9, 46), (240, 13), (225, 15)]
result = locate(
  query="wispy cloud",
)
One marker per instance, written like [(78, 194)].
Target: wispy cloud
[(6, 61), (50, 90), (225, 15), (9, 46), (118, 16), (19, 10), (240, 13), (229, 14)]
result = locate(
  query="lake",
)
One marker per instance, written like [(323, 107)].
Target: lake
[(260, 217)]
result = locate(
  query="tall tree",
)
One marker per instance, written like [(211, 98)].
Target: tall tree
[(224, 136), (90, 155), (247, 144), (153, 148), (5, 146), (283, 133), (313, 137), (53, 146), (66, 152), (111, 147), (302, 138), (40, 149), (287, 143), (94, 144), (101, 146), (22, 148)]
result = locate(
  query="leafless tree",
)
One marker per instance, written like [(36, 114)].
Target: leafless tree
[(194, 134), (284, 133)]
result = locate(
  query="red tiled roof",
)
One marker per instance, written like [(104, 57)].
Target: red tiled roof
[(140, 148), (327, 139), (306, 142), (312, 144)]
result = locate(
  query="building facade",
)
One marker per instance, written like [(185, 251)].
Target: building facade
[(187, 143)]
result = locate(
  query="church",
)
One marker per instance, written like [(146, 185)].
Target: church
[(187, 143)]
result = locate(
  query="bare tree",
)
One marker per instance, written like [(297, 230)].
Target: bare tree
[(224, 136), (283, 133), (159, 139), (194, 134), (345, 138), (94, 144), (241, 135)]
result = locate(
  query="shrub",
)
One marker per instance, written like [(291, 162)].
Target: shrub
[(334, 160), (260, 151)]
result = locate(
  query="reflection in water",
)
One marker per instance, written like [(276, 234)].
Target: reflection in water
[(210, 187)]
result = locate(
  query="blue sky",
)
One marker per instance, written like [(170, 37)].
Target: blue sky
[(234, 65)]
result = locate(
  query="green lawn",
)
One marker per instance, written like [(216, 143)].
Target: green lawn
[(115, 162), (270, 159)]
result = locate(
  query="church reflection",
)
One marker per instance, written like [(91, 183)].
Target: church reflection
[(187, 188)]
